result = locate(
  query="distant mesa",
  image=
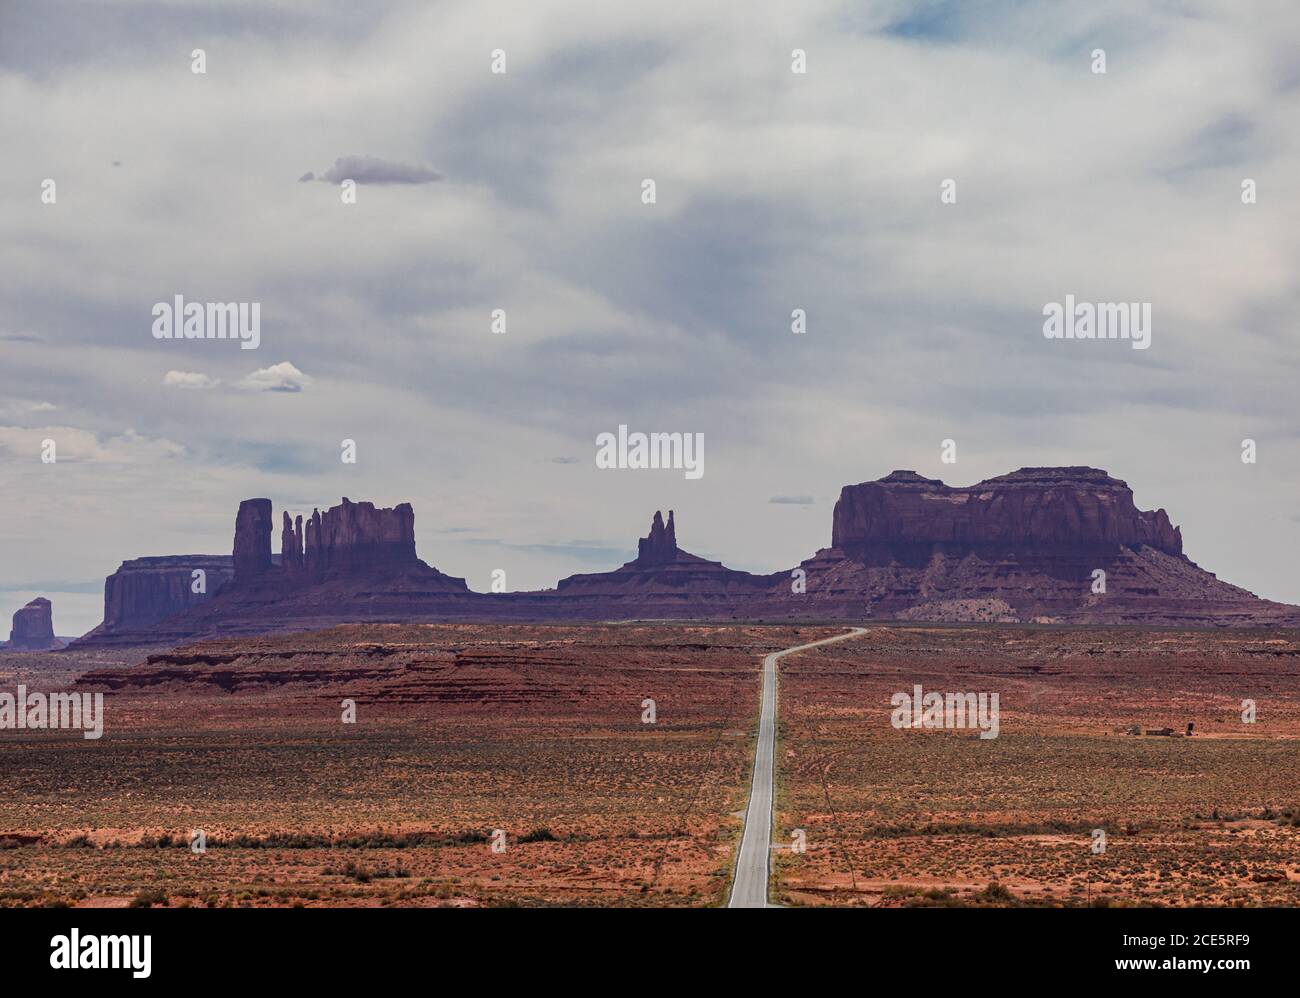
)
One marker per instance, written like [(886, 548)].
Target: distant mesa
[(354, 561), (350, 540), (145, 591), (1033, 508), (1023, 547), (33, 627), (155, 600)]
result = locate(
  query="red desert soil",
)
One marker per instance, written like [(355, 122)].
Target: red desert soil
[(935, 817), (536, 730), (460, 730)]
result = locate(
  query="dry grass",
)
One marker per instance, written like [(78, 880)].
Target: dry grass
[(934, 817), (460, 731)]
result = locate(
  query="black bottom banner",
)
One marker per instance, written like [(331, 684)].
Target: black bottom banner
[(336, 947)]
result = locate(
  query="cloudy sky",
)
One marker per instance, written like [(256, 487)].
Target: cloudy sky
[(522, 191)]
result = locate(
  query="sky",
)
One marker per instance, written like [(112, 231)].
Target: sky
[(523, 191)]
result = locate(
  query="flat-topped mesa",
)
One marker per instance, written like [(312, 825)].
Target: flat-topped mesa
[(1033, 508), (659, 547), (33, 628), (144, 591)]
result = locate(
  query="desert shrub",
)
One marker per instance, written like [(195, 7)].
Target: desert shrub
[(539, 835), (161, 842), (79, 842), (995, 893)]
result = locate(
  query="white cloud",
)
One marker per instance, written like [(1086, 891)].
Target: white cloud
[(775, 191), (20, 408), (281, 377), (189, 379), (75, 445)]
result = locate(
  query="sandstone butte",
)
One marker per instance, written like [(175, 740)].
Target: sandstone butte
[(1023, 547), (33, 627)]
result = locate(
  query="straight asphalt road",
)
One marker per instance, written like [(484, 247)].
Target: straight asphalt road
[(749, 887)]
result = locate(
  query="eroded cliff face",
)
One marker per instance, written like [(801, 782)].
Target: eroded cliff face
[(291, 553), (1034, 509), (144, 591), (1024, 547), (349, 539), (252, 553), (1045, 545), (33, 627), (357, 536)]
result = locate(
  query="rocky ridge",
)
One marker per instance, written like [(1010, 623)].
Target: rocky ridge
[(1025, 547)]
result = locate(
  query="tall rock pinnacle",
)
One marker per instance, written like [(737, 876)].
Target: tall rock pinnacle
[(252, 553), (659, 547)]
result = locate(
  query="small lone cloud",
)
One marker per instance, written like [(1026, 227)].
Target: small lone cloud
[(792, 500), (372, 170), (188, 379), (281, 377), (23, 408), (20, 338)]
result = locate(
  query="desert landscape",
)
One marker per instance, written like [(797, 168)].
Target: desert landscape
[(558, 455), (915, 817), (540, 731), (345, 725), (459, 731)]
